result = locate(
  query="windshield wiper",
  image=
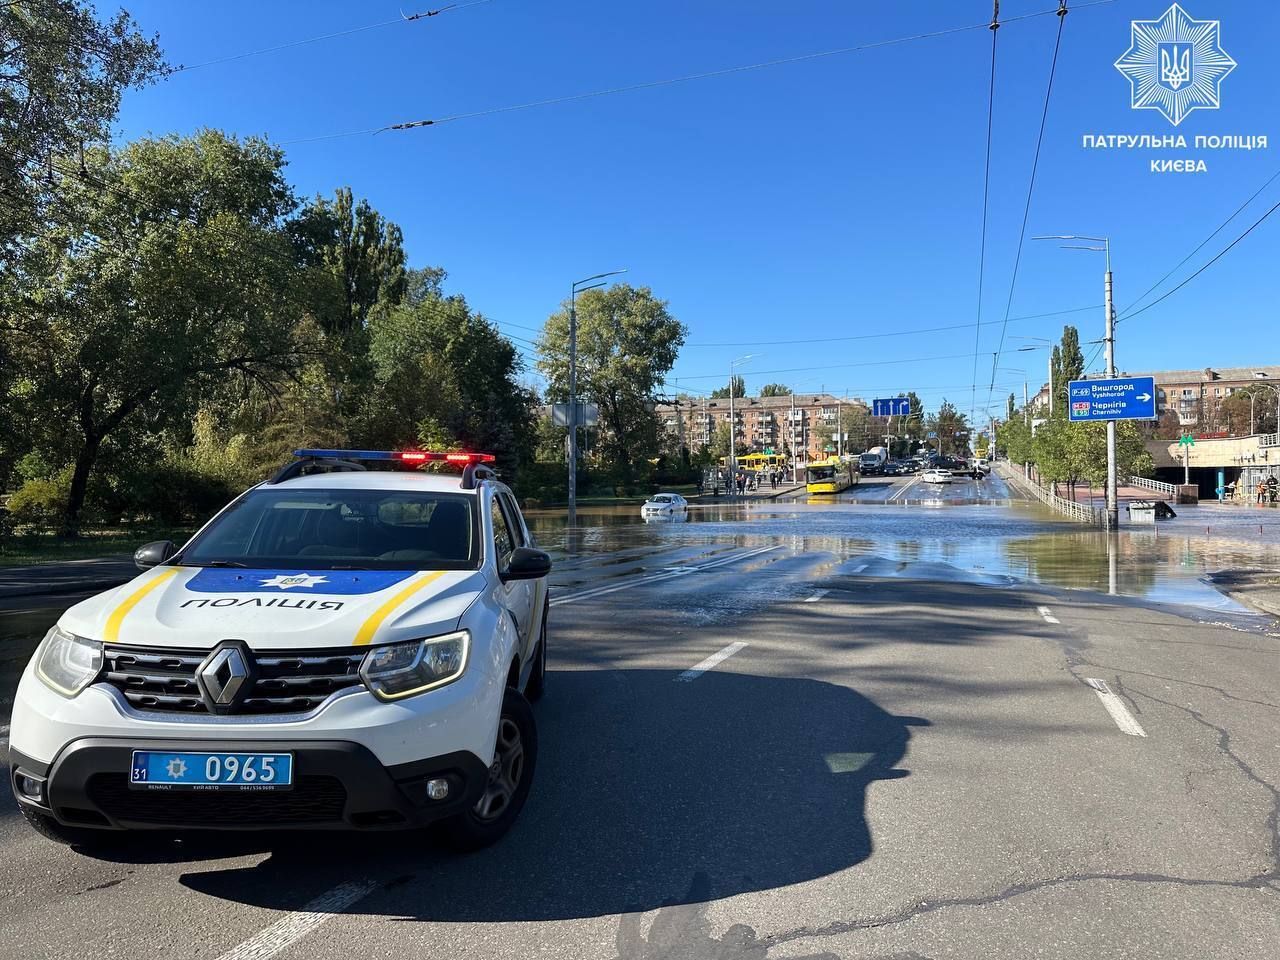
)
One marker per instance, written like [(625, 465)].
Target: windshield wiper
[(216, 563), (350, 568)]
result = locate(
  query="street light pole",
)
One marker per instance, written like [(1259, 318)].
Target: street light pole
[(1113, 505), (578, 286), (733, 426)]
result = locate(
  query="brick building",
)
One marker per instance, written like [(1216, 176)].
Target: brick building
[(804, 422)]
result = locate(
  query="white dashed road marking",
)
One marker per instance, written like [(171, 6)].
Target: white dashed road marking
[(292, 927), (1048, 615), (1115, 706), (710, 663), (659, 577), (817, 596)]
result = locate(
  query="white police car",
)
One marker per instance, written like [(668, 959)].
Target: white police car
[(339, 648)]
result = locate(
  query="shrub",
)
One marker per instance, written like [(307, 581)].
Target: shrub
[(40, 503)]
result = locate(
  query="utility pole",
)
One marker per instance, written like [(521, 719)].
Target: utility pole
[(733, 442), (792, 424), (1026, 417), (1113, 502)]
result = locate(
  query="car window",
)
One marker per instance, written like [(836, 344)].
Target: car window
[(504, 539), (341, 529)]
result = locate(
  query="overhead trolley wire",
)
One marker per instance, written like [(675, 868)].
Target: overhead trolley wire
[(669, 81), (994, 27), (403, 18), (1031, 187)]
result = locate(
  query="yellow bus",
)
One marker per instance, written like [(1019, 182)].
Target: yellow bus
[(830, 475), (759, 462)]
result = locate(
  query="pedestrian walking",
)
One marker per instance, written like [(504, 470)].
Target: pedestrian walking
[(1262, 491)]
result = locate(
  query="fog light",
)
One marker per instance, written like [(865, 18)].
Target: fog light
[(30, 787), (437, 789)]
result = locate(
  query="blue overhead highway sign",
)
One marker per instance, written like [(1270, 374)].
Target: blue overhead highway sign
[(891, 407), (1123, 398)]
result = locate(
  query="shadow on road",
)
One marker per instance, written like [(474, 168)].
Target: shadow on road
[(649, 793)]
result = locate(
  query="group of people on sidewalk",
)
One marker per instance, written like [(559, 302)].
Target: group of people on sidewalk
[(745, 482)]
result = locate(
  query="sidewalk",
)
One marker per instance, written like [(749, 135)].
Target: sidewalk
[(1259, 589), (69, 576)]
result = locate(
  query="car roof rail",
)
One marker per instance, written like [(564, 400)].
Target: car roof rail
[(474, 473), (307, 465)]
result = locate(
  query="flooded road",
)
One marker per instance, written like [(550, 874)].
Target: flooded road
[(967, 531)]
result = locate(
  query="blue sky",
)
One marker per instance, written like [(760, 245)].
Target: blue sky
[(837, 197)]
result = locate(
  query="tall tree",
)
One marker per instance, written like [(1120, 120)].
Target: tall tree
[(775, 390), (628, 342), (444, 377), (1071, 359), (1010, 405), (361, 250), (736, 384), (62, 72), (192, 284), (952, 428)]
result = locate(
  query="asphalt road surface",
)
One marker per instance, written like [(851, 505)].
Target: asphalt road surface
[(749, 750)]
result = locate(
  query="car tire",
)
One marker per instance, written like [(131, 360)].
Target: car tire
[(507, 788), (537, 685), (83, 839)]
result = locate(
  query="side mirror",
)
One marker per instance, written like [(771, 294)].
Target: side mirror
[(527, 564), (155, 552)]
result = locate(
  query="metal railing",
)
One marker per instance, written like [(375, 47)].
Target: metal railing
[(1069, 508), (1168, 489)]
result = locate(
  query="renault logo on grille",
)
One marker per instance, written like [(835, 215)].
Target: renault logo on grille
[(226, 676)]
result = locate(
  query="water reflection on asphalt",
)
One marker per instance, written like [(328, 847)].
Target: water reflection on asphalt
[(998, 541)]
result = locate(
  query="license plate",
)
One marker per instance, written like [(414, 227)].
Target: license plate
[(158, 770)]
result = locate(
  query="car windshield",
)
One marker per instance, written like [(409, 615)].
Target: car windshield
[(340, 530), (821, 473), (661, 498)]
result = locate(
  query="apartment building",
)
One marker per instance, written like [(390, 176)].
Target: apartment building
[(1194, 394), (804, 422)]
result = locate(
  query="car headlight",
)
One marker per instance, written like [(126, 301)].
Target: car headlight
[(67, 663), (403, 669)]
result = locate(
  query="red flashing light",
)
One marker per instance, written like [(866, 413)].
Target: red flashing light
[(462, 459)]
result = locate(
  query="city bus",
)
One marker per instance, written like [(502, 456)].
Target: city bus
[(759, 462), (830, 475)]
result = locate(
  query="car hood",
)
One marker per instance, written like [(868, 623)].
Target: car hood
[(197, 607)]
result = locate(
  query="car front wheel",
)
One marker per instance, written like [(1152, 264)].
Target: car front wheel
[(507, 786)]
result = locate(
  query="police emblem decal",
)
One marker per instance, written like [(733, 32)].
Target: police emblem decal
[(1175, 64)]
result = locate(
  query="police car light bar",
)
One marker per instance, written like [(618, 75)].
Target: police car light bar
[(404, 456)]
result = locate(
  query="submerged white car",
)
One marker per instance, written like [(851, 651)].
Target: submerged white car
[(339, 648), (936, 476), (664, 505)]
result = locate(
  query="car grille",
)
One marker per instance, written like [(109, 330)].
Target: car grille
[(293, 681), (312, 800)]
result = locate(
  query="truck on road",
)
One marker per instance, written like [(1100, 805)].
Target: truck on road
[(872, 462)]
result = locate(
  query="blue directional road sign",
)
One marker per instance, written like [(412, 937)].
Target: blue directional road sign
[(891, 407), (1125, 398)]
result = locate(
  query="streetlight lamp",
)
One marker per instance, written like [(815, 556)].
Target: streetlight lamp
[(1113, 503), (1264, 386), (578, 286), (733, 424), (1045, 345)]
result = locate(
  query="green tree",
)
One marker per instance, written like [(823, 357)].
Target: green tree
[(774, 390), (628, 342), (736, 383), (444, 377), (192, 287), (62, 72), (362, 252), (952, 428), (1010, 406)]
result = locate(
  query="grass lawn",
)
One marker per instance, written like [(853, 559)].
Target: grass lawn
[(20, 551)]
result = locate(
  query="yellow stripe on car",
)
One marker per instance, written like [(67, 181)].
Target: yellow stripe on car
[(370, 626), (112, 632)]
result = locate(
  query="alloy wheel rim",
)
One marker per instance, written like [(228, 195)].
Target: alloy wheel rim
[(505, 772)]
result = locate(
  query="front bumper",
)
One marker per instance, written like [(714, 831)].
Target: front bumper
[(337, 785)]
